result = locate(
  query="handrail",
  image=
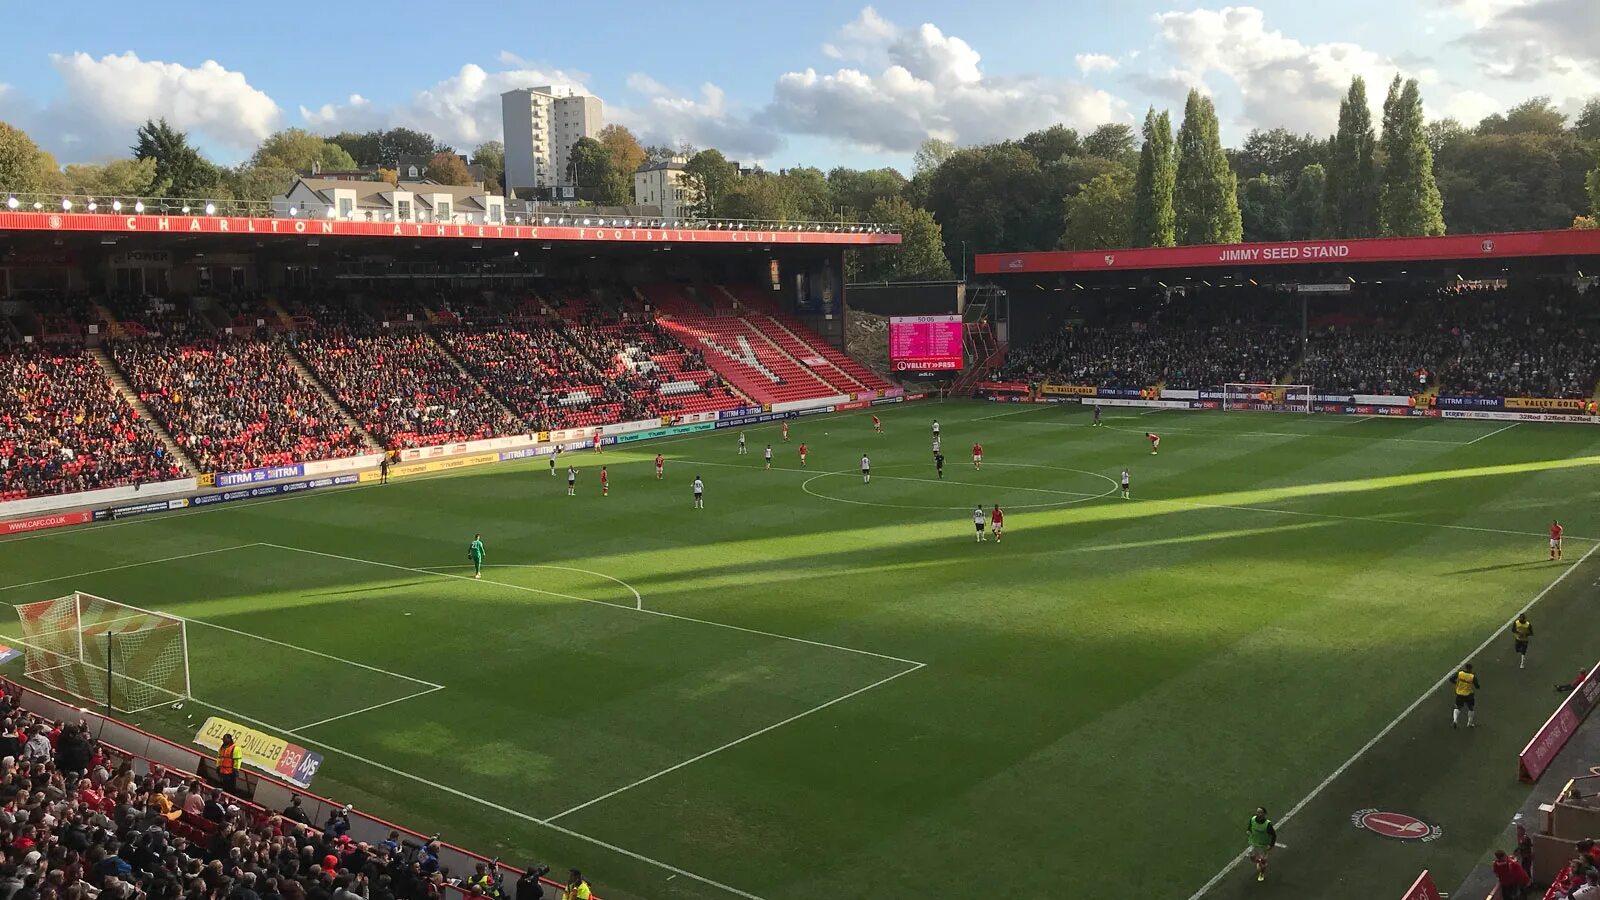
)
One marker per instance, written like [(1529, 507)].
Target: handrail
[(516, 212)]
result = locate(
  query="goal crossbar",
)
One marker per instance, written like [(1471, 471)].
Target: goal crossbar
[(1267, 397), (109, 653)]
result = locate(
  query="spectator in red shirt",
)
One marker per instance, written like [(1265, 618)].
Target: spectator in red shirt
[(1513, 879)]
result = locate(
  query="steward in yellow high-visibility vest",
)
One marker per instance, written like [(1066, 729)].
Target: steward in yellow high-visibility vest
[(229, 758)]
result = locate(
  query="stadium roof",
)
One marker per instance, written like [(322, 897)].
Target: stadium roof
[(1462, 247)]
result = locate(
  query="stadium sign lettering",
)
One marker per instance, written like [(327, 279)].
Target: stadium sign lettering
[(29, 221), (38, 523), (1280, 253)]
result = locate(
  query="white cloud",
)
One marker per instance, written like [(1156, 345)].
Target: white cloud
[(909, 84), (1281, 81), (1530, 40), (462, 110), (1089, 63), (640, 83), (1478, 12), (706, 120), (104, 100), (1469, 107), (327, 117)]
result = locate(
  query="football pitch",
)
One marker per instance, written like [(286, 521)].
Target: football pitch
[(816, 687)]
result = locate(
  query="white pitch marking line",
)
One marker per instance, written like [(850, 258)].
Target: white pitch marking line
[(267, 640), (289, 646), (733, 743), (132, 565), (638, 601), (645, 611), (1432, 688), (1376, 519), (1494, 432), (1007, 487), (488, 804), (1224, 433), (421, 693)]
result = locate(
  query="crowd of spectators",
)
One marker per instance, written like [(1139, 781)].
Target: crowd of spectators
[(64, 428), (78, 823), (1140, 356), (1540, 339), (143, 314), (532, 368), (402, 387), (235, 403)]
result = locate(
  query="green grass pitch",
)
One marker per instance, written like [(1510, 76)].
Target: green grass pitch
[(816, 687)]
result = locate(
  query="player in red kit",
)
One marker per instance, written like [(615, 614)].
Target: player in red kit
[(802, 453), (1155, 441), (1555, 539), (997, 522), (786, 432), (605, 483), (977, 458), (660, 464), (597, 441), (877, 425)]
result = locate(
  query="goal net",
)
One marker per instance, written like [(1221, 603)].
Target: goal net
[(105, 652), (1267, 397)]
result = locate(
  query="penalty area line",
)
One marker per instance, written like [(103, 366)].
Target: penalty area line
[(487, 804), (365, 709), (734, 743), (132, 565), (1432, 688), (642, 609)]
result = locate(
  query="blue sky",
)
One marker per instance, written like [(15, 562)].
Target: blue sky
[(823, 83)]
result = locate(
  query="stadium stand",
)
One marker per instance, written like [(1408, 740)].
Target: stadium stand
[(235, 403), (88, 820), (1537, 341), (402, 387), (736, 348), (64, 429), (579, 354), (837, 368), (142, 315), (1178, 357)]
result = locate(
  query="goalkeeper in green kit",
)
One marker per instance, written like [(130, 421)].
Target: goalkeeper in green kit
[(475, 553)]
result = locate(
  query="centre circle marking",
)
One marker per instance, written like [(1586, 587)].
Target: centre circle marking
[(1084, 498)]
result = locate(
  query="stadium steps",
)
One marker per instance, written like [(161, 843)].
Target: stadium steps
[(213, 316), (760, 302), (119, 381), (791, 344), (114, 327), (311, 378), (285, 320), (447, 353)]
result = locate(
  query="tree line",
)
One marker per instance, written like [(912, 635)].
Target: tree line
[(1527, 168)]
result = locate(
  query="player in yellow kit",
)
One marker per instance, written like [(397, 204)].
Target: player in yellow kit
[(1521, 630), (1466, 685)]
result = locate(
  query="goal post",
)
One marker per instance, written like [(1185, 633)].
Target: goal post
[(1267, 397), (111, 654)]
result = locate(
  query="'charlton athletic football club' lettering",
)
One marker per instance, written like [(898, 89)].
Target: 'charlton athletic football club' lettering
[(1393, 825), (31, 221)]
